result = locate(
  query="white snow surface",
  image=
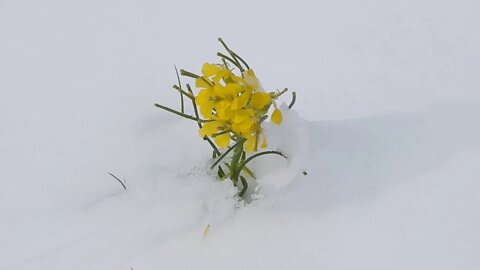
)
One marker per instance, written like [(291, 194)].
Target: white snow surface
[(386, 127)]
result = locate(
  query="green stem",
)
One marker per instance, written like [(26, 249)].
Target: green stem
[(180, 114), (220, 133), (234, 57), (179, 89), (260, 154), (193, 75), (188, 74), (236, 160), (229, 59), (277, 95), (226, 153), (195, 110), (225, 63), (249, 172), (240, 58), (245, 186), (215, 149), (194, 106), (181, 94)]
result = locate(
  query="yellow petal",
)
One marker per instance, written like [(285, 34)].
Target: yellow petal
[(224, 113), (264, 143), (210, 69), (249, 145), (277, 116), (240, 115), (219, 90), (244, 98), (222, 105), (222, 74), (234, 104), (236, 79), (242, 127), (260, 100), (255, 127), (222, 140), (206, 110), (204, 96), (210, 128), (232, 89), (249, 73), (201, 82)]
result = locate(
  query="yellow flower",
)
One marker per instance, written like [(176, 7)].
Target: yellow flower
[(237, 106), (227, 100), (242, 122)]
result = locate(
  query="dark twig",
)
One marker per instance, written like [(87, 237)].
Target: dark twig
[(225, 154), (180, 114), (294, 97), (223, 56), (232, 54), (245, 186), (240, 58), (195, 76), (118, 179), (181, 94), (188, 74), (259, 154), (179, 89), (195, 110), (194, 104)]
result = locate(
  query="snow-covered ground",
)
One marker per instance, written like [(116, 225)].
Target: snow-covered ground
[(386, 127)]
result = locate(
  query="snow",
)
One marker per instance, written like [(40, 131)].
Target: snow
[(385, 126)]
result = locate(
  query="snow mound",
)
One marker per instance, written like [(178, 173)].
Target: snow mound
[(396, 191)]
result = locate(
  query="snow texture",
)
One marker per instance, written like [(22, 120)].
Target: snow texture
[(383, 143)]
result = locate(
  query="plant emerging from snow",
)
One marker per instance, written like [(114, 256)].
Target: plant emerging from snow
[(233, 108)]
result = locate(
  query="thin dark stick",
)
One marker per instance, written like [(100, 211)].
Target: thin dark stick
[(194, 106), (240, 58), (245, 186), (179, 89), (180, 114), (228, 58), (225, 63), (231, 54), (294, 97), (195, 76), (215, 149), (225, 154), (278, 94), (120, 181), (188, 74), (257, 155), (221, 133), (212, 145), (181, 94)]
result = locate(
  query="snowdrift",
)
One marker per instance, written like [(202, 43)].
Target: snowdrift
[(391, 191)]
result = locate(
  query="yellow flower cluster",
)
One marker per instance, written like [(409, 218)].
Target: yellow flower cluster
[(234, 106)]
